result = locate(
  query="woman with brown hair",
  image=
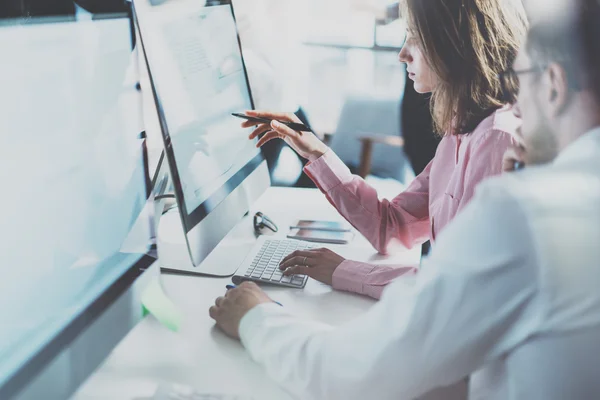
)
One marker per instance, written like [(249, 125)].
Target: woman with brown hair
[(454, 50)]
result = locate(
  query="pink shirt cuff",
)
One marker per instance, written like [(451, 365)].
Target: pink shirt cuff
[(366, 279), (350, 275), (328, 171)]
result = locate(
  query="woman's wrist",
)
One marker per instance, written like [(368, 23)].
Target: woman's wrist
[(317, 153)]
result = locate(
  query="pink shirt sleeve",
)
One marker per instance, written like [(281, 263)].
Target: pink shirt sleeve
[(405, 218), (366, 279)]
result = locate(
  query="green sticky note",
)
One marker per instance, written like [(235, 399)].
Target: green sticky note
[(156, 302)]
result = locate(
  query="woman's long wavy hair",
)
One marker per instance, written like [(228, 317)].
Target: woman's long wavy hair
[(467, 43)]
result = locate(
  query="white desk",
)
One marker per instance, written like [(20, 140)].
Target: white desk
[(200, 355)]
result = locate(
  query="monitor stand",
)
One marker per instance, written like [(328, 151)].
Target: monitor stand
[(173, 252), (178, 252)]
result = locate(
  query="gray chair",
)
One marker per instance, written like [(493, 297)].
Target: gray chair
[(368, 138)]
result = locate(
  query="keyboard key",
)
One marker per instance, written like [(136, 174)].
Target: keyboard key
[(286, 279), (297, 280)]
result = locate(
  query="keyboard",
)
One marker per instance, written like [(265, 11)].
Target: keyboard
[(264, 267)]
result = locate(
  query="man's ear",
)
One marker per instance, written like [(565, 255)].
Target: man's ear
[(557, 89)]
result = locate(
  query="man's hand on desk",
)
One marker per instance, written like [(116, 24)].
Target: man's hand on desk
[(319, 264), (229, 310)]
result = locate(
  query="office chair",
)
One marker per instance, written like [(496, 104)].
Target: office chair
[(368, 138)]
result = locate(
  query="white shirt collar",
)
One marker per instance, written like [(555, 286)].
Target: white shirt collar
[(587, 144)]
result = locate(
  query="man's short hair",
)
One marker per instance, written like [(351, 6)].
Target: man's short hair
[(572, 41)]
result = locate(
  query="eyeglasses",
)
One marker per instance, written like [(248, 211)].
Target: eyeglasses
[(509, 81)]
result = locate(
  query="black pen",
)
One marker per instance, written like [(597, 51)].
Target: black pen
[(259, 120)]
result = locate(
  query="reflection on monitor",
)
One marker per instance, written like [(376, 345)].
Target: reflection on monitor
[(199, 79), (208, 145), (75, 227)]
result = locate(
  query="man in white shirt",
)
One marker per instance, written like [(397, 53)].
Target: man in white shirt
[(512, 287)]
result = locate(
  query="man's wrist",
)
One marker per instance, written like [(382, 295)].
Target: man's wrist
[(253, 318)]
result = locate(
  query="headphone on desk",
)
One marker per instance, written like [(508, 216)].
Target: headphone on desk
[(262, 224)]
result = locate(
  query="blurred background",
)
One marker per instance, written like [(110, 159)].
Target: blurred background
[(334, 63)]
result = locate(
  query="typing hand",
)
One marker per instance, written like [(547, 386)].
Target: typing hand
[(229, 310), (306, 144), (514, 158), (319, 264)]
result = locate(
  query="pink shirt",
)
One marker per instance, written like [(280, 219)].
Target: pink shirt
[(423, 209)]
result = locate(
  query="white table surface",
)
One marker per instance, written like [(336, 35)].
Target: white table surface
[(201, 356)]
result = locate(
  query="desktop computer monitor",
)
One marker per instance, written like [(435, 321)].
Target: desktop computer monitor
[(74, 226), (198, 77)]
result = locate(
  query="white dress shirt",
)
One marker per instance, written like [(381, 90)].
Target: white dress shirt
[(510, 295)]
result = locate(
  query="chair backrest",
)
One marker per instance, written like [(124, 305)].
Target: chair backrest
[(360, 116)]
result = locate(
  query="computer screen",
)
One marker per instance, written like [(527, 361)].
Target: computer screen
[(198, 77), (198, 72), (74, 222)]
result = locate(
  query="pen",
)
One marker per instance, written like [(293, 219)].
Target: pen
[(292, 125), (296, 126), (228, 287)]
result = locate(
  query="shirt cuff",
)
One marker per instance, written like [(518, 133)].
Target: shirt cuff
[(328, 171), (253, 322), (350, 276)]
